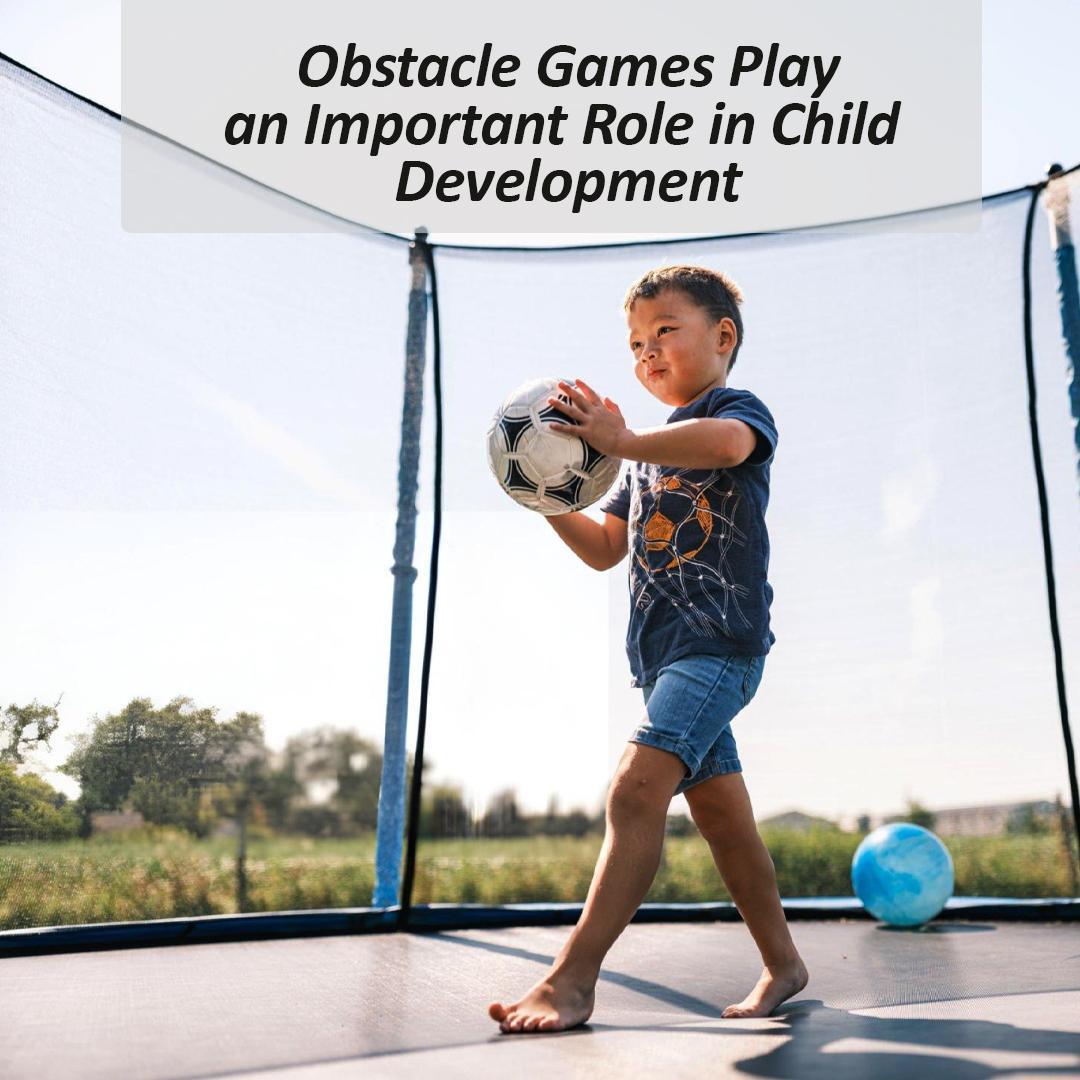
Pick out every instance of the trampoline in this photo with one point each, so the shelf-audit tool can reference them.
(189, 425)
(966, 998)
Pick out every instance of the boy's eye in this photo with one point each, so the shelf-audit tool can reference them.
(635, 345)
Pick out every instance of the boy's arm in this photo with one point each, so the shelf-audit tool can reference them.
(708, 442)
(596, 545)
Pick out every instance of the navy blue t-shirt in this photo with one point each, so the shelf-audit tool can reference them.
(699, 550)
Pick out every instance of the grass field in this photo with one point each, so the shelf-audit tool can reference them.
(109, 879)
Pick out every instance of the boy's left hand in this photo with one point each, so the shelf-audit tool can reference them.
(599, 421)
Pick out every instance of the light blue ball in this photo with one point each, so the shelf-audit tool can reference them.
(903, 874)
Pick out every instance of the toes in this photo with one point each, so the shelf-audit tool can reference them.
(532, 1023)
(497, 1011)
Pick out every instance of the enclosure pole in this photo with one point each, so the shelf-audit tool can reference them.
(1044, 513)
(241, 856)
(1056, 200)
(391, 820)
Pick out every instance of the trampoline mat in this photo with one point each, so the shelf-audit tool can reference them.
(958, 1000)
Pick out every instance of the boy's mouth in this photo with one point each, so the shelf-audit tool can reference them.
(657, 374)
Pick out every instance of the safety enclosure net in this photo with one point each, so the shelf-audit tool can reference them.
(199, 465)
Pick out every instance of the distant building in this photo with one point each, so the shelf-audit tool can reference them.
(110, 821)
(797, 821)
(994, 820)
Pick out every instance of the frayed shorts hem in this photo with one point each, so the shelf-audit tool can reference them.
(689, 709)
(697, 770)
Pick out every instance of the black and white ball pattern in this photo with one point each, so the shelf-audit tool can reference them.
(543, 471)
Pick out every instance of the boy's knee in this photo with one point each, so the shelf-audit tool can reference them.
(646, 780)
(635, 795)
(718, 810)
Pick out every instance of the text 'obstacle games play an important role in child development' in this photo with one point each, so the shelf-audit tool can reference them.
(794, 122)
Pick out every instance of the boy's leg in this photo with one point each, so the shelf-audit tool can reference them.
(722, 812)
(637, 806)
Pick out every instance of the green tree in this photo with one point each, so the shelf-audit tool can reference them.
(503, 816)
(177, 765)
(576, 823)
(443, 813)
(327, 783)
(918, 814)
(31, 809)
(1024, 821)
(26, 727)
(679, 825)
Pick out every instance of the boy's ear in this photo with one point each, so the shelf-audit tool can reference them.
(726, 328)
(734, 333)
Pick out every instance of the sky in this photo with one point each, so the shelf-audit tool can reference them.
(273, 611)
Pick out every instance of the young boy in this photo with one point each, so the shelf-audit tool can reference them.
(691, 510)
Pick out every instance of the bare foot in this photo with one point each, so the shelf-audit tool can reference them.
(772, 988)
(555, 1003)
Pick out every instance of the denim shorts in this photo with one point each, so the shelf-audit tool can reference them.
(689, 708)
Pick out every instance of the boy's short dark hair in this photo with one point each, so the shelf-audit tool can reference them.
(711, 290)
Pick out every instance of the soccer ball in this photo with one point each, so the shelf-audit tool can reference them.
(546, 472)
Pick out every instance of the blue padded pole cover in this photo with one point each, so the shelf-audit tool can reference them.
(388, 842)
(1057, 206)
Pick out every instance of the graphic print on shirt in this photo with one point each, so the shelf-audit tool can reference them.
(683, 530)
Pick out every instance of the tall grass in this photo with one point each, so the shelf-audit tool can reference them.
(163, 873)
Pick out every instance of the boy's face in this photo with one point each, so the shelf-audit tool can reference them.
(678, 353)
